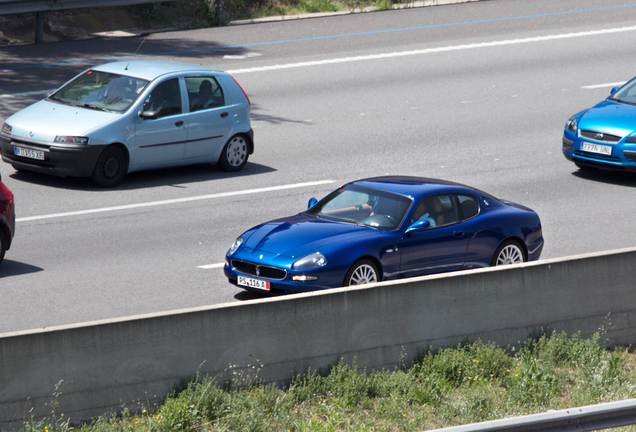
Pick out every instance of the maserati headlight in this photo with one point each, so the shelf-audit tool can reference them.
(71, 139)
(571, 125)
(310, 261)
(238, 242)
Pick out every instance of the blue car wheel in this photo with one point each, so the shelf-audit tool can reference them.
(509, 252)
(362, 272)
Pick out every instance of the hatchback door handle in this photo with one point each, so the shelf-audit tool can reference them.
(224, 114)
(179, 123)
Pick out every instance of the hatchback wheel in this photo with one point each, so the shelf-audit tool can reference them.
(110, 168)
(362, 272)
(234, 155)
(509, 252)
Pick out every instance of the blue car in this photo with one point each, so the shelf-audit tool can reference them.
(132, 115)
(604, 136)
(383, 228)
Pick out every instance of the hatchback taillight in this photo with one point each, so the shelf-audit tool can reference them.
(246, 96)
(7, 192)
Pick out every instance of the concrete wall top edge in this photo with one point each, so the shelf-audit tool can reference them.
(328, 292)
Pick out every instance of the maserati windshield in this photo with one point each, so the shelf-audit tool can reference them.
(363, 206)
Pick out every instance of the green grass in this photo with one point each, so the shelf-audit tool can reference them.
(472, 382)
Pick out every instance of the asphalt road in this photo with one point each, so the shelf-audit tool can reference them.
(476, 93)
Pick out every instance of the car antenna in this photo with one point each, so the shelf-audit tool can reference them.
(136, 51)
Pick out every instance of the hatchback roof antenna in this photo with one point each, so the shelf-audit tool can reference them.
(136, 51)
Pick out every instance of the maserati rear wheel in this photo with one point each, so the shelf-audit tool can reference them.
(509, 252)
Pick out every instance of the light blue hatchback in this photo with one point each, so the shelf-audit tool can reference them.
(129, 116)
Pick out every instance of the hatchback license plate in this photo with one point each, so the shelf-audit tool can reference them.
(596, 148)
(31, 154)
(253, 283)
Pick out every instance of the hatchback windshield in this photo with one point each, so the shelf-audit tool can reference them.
(626, 94)
(363, 206)
(101, 91)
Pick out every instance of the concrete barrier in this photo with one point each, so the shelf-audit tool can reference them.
(91, 368)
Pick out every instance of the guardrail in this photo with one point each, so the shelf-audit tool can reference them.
(581, 419)
(12, 7)
(93, 368)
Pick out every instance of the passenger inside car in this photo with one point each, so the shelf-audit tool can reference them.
(165, 99)
(204, 96)
(421, 213)
(119, 91)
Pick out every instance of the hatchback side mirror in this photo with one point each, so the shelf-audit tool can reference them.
(149, 115)
(419, 225)
(312, 202)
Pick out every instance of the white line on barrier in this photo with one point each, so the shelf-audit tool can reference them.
(174, 201)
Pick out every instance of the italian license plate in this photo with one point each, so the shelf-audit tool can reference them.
(596, 148)
(31, 154)
(253, 283)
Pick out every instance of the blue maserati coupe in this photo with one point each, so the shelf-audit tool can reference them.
(383, 228)
(604, 136)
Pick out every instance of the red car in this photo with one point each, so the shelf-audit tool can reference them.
(7, 218)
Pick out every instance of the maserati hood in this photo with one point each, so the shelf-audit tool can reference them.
(299, 235)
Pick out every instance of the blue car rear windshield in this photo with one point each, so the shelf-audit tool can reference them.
(363, 206)
(101, 91)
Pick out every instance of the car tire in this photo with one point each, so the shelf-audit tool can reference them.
(362, 272)
(508, 252)
(3, 247)
(235, 154)
(110, 168)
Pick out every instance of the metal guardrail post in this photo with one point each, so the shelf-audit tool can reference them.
(39, 27)
(219, 12)
(11, 7)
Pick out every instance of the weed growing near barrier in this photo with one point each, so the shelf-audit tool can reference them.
(472, 382)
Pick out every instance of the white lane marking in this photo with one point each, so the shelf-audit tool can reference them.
(241, 57)
(211, 266)
(434, 50)
(174, 201)
(595, 86)
(401, 54)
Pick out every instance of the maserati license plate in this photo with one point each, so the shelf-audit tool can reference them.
(253, 283)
